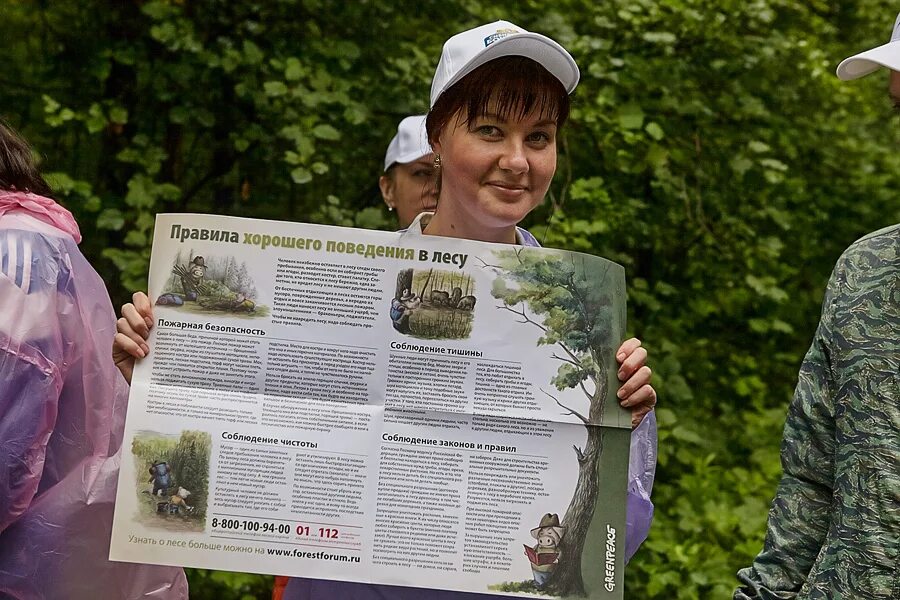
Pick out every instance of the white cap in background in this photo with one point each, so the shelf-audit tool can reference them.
(886, 55)
(466, 51)
(410, 143)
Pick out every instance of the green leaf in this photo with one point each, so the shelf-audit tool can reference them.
(356, 114)
(654, 131)
(95, 120)
(136, 239)
(118, 114)
(775, 165)
(111, 218)
(740, 164)
(50, 105)
(252, 54)
(179, 114)
(157, 9)
(139, 195)
(275, 88)
(92, 204)
(657, 156)
(631, 116)
(684, 434)
(659, 37)
(326, 132)
(61, 182)
(301, 175)
(293, 69)
(205, 117)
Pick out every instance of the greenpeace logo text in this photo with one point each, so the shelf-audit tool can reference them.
(610, 559)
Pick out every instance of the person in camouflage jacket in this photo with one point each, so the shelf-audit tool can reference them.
(834, 527)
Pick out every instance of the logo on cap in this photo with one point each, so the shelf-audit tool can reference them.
(501, 33)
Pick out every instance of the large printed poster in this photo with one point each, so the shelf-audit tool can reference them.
(379, 407)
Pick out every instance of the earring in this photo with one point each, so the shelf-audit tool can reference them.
(437, 161)
(390, 208)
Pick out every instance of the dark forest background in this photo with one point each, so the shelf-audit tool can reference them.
(711, 151)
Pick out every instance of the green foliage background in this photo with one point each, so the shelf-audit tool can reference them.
(711, 151)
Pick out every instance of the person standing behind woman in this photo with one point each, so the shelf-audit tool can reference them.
(498, 100)
(62, 405)
(409, 183)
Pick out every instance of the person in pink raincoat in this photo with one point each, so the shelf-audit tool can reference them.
(62, 406)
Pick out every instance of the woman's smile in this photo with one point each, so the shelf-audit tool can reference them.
(505, 190)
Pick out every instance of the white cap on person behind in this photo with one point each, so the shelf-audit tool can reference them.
(886, 55)
(410, 143)
(466, 51)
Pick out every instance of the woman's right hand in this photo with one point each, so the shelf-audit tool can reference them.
(133, 328)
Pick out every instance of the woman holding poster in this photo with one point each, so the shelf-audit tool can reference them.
(498, 100)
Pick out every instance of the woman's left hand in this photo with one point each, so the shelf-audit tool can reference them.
(635, 392)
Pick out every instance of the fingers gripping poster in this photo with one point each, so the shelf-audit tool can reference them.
(378, 407)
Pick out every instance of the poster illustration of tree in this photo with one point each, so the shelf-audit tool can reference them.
(576, 303)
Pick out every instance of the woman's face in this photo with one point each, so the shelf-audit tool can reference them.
(410, 188)
(494, 171)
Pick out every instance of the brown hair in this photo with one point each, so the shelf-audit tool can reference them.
(18, 171)
(517, 84)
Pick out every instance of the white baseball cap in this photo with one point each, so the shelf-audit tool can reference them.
(410, 143)
(466, 51)
(886, 55)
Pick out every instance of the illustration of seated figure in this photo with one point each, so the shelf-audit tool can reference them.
(177, 502)
(401, 308)
(544, 556)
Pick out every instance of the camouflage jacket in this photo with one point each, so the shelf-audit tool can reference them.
(834, 526)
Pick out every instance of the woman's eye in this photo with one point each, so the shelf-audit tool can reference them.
(539, 137)
(423, 173)
(488, 130)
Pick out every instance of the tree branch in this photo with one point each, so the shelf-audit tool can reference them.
(570, 411)
(485, 264)
(584, 389)
(578, 453)
(573, 358)
(580, 383)
(526, 319)
(567, 360)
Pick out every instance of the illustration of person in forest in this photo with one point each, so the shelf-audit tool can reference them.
(160, 478)
(192, 278)
(544, 556)
(179, 476)
(433, 304)
(402, 307)
(211, 284)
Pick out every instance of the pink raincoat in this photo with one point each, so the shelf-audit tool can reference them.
(62, 412)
